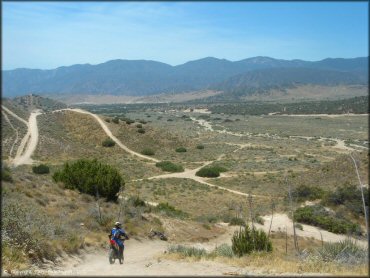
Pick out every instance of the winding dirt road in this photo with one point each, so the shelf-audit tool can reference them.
(109, 133)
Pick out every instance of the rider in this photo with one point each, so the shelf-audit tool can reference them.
(116, 233)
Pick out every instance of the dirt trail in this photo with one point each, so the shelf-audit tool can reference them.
(29, 141)
(14, 115)
(15, 130)
(141, 258)
(109, 133)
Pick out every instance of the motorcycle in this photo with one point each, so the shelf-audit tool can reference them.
(153, 234)
(114, 251)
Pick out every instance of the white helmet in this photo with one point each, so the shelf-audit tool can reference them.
(118, 224)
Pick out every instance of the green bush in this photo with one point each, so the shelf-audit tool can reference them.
(41, 169)
(200, 147)
(107, 120)
(181, 150)
(223, 250)
(210, 171)
(91, 177)
(141, 130)
(147, 151)
(168, 166)
(142, 121)
(6, 174)
(318, 216)
(139, 125)
(115, 120)
(170, 210)
(248, 240)
(108, 143)
(304, 192)
(236, 221)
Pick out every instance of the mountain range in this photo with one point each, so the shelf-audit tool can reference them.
(144, 77)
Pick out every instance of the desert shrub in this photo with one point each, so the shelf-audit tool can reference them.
(107, 120)
(139, 125)
(141, 130)
(236, 221)
(142, 121)
(224, 250)
(115, 120)
(318, 216)
(350, 197)
(187, 251)
(91, 177)
(108, 143)
(171, 211)
(344, 252)
(248, 240)
(210, 171)
(304, 192)
(169, 120)
(181, 150)
(41, 169)
(147, 151)
(6, 174)
(259, 219)
(168, 166)
(228, 121)
(200, 147)
(129, 121)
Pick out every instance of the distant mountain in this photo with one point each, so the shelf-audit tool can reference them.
(267, 78)
(142, 77)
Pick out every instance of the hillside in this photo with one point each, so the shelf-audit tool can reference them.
(141, 77)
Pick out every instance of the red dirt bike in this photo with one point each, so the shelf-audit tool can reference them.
(114, 251)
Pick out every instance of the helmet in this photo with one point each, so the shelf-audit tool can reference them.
(118, 224)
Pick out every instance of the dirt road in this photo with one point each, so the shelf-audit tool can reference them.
(15, 131)
(29, 142)
(109, 133)
(141, 258)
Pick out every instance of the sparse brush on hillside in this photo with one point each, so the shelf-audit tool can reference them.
(305, 192)
(41, 169)
(200, 147)
(141, 130)
(115, 120)
(348, 196)
(168, 166)
(248, 240)
(171, 211)
(91, 177)
(6, 174)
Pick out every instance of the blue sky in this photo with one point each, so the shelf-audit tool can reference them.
(49, 34)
